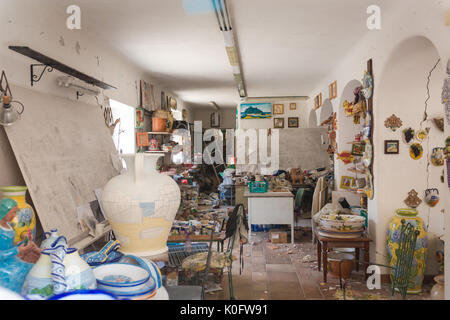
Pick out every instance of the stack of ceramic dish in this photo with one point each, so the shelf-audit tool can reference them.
(127, 281)
(341, 226)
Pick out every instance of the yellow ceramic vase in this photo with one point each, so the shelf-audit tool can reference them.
(420, 253)
(25, 219)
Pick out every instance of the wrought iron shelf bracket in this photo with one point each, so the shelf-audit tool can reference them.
(35, 77)
(48, 64)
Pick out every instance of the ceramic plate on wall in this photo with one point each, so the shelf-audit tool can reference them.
(408, 135)
(416, 151)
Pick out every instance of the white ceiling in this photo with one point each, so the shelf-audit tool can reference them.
(286, 46)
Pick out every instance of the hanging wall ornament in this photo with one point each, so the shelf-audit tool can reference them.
(393, 122)
(408, 135)
(422, 135)
(367, 85)
(416, 151)
(437, 157)
(439, 122)
(346, 157)
(432, 197)
(367, 130)
(368, 154)
(447, 148)
(413, 201)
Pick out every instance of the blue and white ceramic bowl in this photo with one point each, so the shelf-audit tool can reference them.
(121, 277)
(152, 266)
(150, 288)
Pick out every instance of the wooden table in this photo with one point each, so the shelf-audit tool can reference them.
(324, 244)
(270, 208)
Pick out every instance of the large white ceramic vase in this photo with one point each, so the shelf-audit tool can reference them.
(141, 205)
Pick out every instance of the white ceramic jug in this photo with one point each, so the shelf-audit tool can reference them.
(140, 206)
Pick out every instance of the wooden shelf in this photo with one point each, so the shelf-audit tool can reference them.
(162, 133)
(356, 171)
(156, 151)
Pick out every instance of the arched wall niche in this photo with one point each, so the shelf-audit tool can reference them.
(312, 122)
(326, 111)
(402, 90)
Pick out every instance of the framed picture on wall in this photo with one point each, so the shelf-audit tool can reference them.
(347, 182)
(391, 147)
(255, 111)
(358, 148)
(333, 90)
(318, 101)
(139, 118)
(142, 139)
(278, 109)
(292, 106)
(278, 123)
(293, 122)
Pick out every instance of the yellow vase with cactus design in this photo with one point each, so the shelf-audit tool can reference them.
(25, 220)
(420, 253)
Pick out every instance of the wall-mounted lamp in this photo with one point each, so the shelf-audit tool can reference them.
(8, 113)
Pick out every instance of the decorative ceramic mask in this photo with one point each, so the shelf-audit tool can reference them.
(413, 201)
(432, 197)
(416, 151)
(408, 135)
(437, 157)
(393, 122)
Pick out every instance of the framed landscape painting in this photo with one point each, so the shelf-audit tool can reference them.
(256, 110)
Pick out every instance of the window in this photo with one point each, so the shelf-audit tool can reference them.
(124, 134)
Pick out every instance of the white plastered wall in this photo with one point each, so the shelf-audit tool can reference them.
(423, 23)
(45, 31)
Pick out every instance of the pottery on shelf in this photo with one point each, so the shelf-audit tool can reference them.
(47, 274)
(141, 205)
(25, 219)
(420, 253)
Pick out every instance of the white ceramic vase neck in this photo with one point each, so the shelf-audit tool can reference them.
(141, 164)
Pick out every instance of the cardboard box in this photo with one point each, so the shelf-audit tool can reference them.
(278, 236)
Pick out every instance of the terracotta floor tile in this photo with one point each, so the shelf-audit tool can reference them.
(280, 268)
